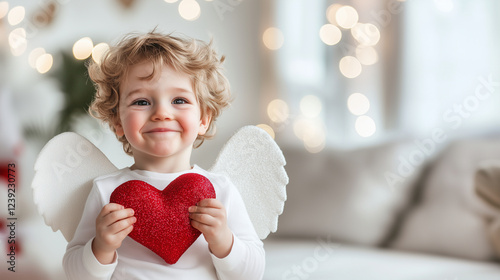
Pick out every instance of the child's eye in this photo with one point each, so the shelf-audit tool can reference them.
(141, 102)
(179, 101)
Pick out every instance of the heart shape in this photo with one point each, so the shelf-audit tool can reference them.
(163, 223)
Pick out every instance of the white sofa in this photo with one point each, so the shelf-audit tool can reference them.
(403, 210)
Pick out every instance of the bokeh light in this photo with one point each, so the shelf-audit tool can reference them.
(34, 55)
(267, 129)
(17, 41)
(44, 63)
(300, 127)
(366, 55)
(330, 34)
(365, 126)
(310, 106)
(170, 1)
(189, 10)
(331, 12)
(346, 17)
(16, 15)
(350, 66)
(99, 51)
(315, 144)
(358, 104)
(366, 34)
(273, 38)
(83, 48)
(311, 132)
(278, 111)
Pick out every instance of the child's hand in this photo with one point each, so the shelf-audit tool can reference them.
(113, 224)
(209, 217)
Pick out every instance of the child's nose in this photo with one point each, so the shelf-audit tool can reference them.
(162, 112)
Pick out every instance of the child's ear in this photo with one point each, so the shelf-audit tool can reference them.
(204, 124)
(119, 129)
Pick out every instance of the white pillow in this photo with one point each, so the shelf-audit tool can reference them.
(345, 195)
(445, 220)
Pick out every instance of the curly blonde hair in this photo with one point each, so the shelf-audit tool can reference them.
(193, 57)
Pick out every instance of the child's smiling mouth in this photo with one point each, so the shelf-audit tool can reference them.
(161, 130)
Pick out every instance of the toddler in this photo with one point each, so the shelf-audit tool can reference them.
(161, 95)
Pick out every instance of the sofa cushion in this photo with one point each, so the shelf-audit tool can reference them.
(445, 220)
(345, 194)
(322, 259)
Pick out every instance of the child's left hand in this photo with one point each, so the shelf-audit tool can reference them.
(209, 217)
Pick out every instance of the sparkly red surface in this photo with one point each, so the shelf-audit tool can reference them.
(163, 223)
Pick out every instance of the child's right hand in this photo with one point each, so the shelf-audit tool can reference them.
(113, 224)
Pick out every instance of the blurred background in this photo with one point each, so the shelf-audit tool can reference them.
(317, 75)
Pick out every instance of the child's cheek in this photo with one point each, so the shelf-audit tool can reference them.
(132, 123)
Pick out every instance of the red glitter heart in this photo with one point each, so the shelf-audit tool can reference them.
(163, 223)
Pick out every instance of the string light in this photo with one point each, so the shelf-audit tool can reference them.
(366, 55)
(99, 51)
(331, 12)
(44, 63)
(267, 129)
(358, 104)
(346, 17)
(365, 126)
(16, 15)
(315, 143)
(17, 41)
(189, 10)
(330, 34)
(366, 34)
(34, 55)
(350, 67)
(312, 132)
(82, 48)
(310, 106)
(278, 111)
(273, 38)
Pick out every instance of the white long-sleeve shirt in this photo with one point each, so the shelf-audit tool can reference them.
(134, 261)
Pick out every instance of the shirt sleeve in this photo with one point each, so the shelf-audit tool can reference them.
(247, 257)
(79, 261)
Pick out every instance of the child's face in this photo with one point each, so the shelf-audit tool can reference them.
(159, 117)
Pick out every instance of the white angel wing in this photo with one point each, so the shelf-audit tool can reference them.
(254, 163)
(64, 171)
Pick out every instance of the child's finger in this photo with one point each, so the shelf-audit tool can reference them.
(121, 225)
(204, 219)
(113, 217)
(124, 232)
(208, 231)
(108, 209)
(210, 202)
(205, 210)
